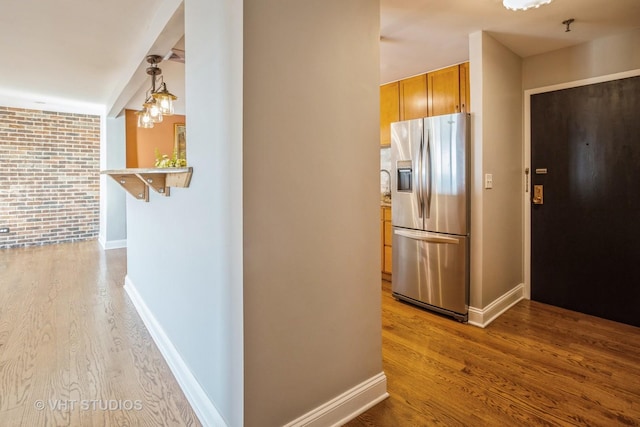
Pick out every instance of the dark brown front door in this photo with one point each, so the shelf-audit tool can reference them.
(585, 237)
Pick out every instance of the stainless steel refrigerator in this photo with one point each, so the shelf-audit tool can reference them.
(430, 212)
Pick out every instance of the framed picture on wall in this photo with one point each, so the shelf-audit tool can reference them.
(180, 140)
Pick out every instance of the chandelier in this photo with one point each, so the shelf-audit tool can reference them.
(524, 4)
(158, 101)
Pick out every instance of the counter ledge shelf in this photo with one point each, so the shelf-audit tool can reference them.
(137, 181)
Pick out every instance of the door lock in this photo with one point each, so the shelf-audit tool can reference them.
(538, 195)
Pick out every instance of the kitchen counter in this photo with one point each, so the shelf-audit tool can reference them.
(137, 181)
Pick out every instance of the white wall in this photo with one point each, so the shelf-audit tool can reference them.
(311, 204)
(497, 218)
(185, 251)
(264, 274)
(607, 55)
(113, 219)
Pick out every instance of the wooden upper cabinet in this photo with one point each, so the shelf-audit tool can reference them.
(443, 95)
(465, 98)
(444, 91)
(389, 111)
(413, 97)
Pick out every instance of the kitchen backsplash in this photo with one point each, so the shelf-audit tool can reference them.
(385, 164)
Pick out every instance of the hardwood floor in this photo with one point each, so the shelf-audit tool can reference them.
(73, 351)
(71, 341)
(534, 365)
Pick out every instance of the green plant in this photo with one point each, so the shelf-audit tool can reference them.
(164, 161)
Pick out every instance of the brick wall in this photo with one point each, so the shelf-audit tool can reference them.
(49, 177)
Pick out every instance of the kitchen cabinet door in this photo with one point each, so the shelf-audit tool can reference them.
(382, 238)
(413, 97)
(387, 229)
(388, 257)
(443, 94)
(465, 98)
(389, 111)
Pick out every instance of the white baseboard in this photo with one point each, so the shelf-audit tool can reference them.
(197, 397)
(335, 412)
(112, 244)
(346, 406)
(482, 317)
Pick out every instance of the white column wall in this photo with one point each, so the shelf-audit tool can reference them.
(311, 204)
(185, 251)
(113, 217)
(497, 218)
(264, 273)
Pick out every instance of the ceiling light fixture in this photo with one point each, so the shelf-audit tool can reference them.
(568, 23)
(524, 4)
(158, 101)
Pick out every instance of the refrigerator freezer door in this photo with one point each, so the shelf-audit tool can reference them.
(430, 270)
(446, 173)
(407, 197)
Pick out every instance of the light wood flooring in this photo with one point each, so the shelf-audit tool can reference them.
(73, 351)
(536, 365)
(70, 340)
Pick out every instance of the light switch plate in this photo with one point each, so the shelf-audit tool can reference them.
(488, 180)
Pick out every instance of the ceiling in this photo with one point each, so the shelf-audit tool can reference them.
(83, 54)
(424, 35)
(91, 52)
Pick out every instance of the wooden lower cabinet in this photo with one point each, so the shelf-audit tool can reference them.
(385, 240)
(382, 238)
(388, 257)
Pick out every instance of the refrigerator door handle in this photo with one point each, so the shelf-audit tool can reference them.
(428, 175)
(427, 237)
(419, 190)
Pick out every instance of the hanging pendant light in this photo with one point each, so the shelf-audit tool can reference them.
(159, 102)
(144, 119)
(524, 4)
(154, 110)
(165, 99)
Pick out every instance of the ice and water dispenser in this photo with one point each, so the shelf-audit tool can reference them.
(405, 175)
